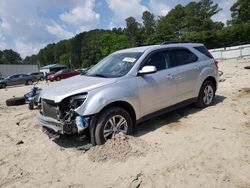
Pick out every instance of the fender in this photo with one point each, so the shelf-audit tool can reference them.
(204, 74)
(98, 99)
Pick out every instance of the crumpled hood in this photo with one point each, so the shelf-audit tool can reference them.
(72, 86)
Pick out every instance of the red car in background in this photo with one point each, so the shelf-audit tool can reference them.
(62, 74)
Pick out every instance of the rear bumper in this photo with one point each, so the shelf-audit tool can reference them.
(50, 123)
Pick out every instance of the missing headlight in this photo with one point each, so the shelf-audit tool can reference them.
(77, 101)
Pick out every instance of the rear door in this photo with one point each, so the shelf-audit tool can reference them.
(187, 69)
(156, 90)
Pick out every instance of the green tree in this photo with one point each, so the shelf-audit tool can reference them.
(207, 10)
(64, 59)
(148, 23)
(241, 11)
(111, 42)
(10, 57)
(133, 31)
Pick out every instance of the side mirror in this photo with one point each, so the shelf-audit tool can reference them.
(147, 70)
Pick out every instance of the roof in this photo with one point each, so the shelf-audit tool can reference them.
(52, 66)
(144, 48)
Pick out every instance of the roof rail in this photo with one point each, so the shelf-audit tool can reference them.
(176, 42)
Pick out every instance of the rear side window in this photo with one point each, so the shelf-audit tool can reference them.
(203, 50)
(182, 57)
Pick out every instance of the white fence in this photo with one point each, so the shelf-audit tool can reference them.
(231, 52)
(10, 69)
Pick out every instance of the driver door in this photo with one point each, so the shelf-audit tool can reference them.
(156, 90)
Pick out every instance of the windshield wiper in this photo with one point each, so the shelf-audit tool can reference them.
(99, 75)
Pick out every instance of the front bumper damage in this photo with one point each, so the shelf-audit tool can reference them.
(51, 123)
(56, 121)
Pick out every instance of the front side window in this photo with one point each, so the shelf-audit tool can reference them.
(115, 65)
(182, 57)
(160, 60)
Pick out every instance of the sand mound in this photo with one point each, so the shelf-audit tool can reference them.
(119, 149)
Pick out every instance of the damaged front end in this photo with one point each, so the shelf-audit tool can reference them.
(61, 118)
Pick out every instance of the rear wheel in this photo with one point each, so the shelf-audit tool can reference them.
(206, 95)
(29, 82)
(111, 122)
(42, 78)
(58, 78)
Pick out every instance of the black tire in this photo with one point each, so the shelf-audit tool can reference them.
(42, 79)
(105, 116)
(29, 82)
(247, 67)
(200, 100)
(3, 85)
(15, 101)
(58, 78)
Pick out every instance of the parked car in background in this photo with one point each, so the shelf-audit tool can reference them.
(63, 74)
(128, 87)
(39, 75)
(17, 79)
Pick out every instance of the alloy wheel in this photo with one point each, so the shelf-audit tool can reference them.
(114, 125)
(208, 95)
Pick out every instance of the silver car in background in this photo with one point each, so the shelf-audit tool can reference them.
(128, 87)
(17, 79)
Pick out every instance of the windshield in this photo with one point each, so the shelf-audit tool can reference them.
(115, 65)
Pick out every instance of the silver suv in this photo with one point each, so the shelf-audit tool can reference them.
(128, 87)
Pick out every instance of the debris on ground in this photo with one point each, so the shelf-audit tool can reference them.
(223, 129)
(120, 148)
(247, 67)
(222, 80)
(136, 181)
(85, 147)
(19, 142)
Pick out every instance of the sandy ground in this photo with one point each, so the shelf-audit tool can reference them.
(186, 148)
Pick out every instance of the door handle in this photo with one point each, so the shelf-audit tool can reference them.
(170, 76)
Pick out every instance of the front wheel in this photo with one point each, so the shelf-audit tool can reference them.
(111, 122)
(58, 78)
(206, 95)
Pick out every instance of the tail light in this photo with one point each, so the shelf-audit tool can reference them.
(216, 64)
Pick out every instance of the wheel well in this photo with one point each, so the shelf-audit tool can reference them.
(124, 105)
(212, 79)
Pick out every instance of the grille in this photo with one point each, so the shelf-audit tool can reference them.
(50, 109)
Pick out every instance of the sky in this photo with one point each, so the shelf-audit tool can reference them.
(26, 26)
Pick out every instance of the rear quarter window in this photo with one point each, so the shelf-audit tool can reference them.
(204, 51)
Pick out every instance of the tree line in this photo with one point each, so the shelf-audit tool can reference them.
(10, 57)
(191, 22)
